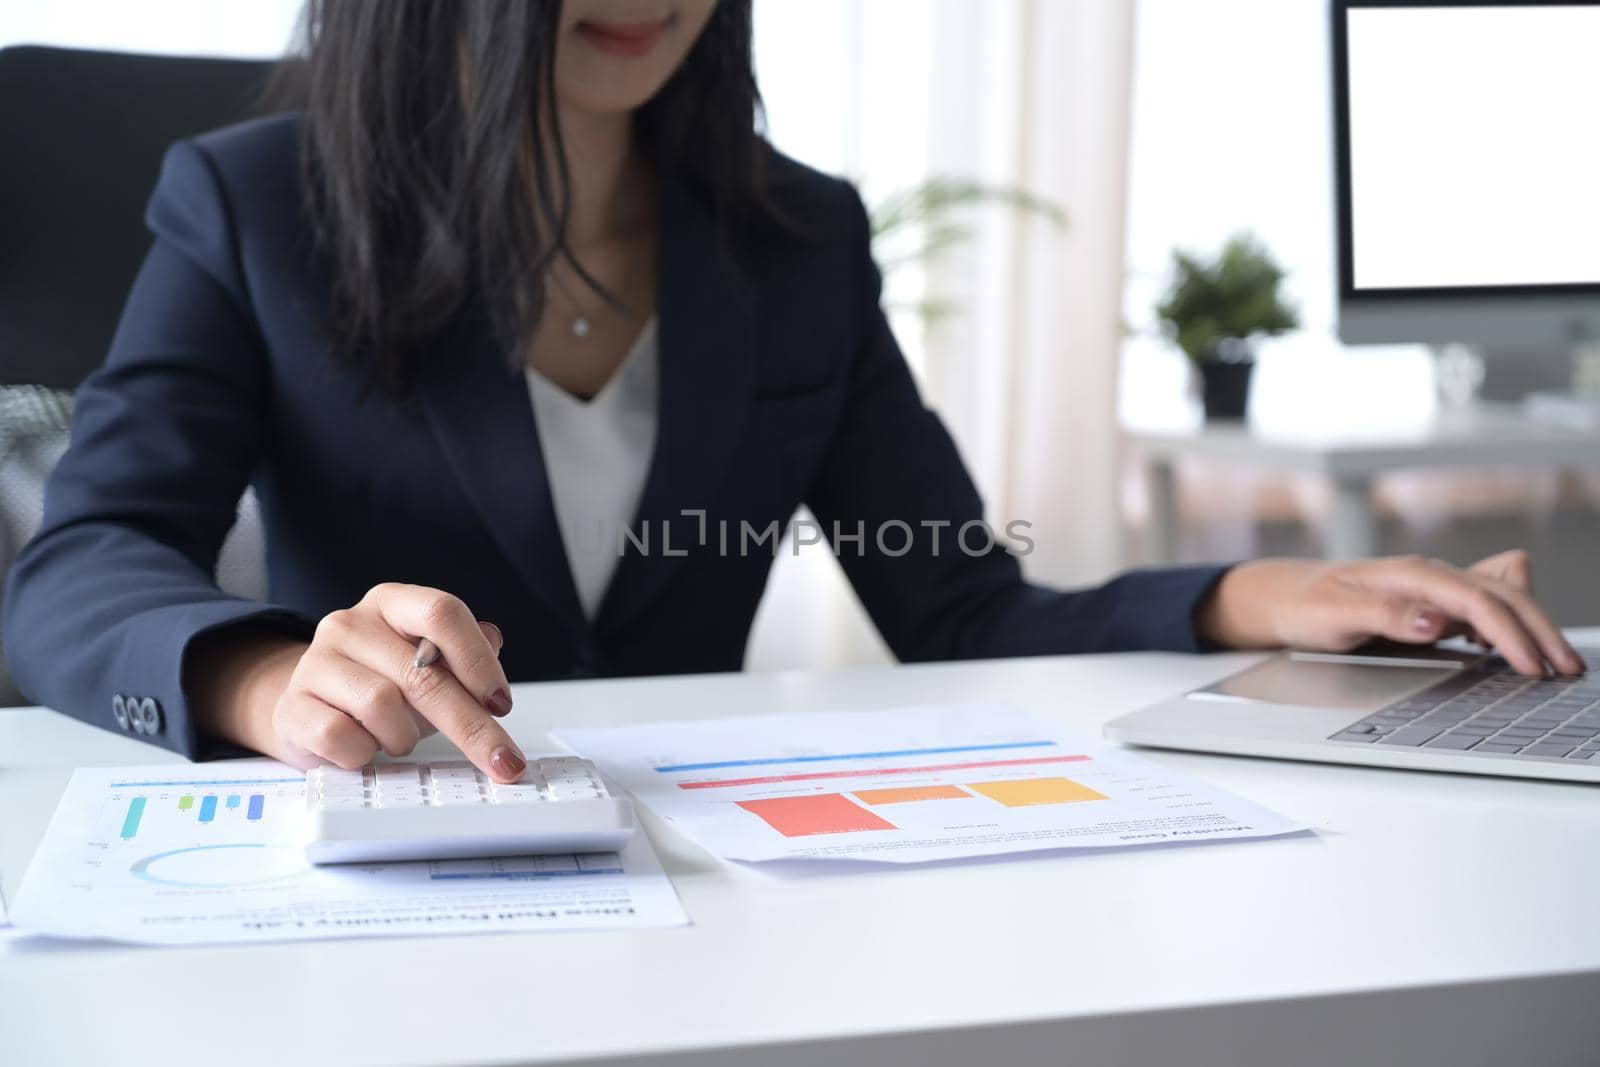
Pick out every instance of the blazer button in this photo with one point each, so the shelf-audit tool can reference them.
(150, 715)
(119, 710)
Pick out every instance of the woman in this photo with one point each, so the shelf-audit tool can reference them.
(520, 272)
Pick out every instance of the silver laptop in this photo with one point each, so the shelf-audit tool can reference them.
(1425, 708)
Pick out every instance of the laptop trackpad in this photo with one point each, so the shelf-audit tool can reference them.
(1356, 686)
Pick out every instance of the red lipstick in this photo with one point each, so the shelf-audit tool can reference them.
(627, 39)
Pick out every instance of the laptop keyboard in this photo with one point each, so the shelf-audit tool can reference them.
(1492, 710)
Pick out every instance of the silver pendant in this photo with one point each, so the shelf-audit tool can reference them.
(580, 327)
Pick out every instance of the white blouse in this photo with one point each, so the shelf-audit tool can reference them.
(596, 456)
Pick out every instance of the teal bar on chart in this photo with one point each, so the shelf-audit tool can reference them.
(130, 825)
(208, 808)
(233, 801)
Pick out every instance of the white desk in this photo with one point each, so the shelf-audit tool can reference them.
(1432, 920)
(1486, 436)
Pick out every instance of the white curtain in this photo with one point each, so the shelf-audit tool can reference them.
(1028, 93)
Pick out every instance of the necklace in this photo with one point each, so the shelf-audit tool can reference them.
(581, 323)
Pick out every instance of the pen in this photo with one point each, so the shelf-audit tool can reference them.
(427, 654)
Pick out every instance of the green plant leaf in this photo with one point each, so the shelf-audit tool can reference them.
(933, 200)
(926, 214)
(1234, 295)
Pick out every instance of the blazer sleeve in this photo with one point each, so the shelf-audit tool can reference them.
(893, 467)
(104, 603)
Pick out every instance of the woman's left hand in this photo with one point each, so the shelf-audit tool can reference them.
(1335, 607)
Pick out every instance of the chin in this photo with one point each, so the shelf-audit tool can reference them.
(601, 97)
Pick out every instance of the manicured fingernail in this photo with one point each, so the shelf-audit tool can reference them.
(499, 638)
(508, 763)
(1427, 621)
(500, 701)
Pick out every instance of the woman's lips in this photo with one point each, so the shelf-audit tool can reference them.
(630, 39)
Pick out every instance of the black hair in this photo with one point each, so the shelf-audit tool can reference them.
(423, 174)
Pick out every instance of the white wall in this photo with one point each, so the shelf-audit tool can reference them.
(1232, 130)
(240, 28)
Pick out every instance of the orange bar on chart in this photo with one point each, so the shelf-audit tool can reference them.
(912, 792)
(830, 813)
(1021, 792)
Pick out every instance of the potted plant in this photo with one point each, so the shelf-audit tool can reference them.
(1214, 308)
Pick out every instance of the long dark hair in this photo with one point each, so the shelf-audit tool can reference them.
(423, 174)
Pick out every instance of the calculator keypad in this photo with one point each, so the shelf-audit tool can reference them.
(452, 783)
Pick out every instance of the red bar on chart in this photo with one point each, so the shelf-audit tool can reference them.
(829, 813)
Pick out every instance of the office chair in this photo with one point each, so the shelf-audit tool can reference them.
(82, 141)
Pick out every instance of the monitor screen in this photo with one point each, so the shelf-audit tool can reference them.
(1471, 147)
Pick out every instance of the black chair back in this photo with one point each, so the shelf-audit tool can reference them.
(81, 142)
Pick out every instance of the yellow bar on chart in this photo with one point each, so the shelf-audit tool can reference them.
(906, 794)
(1021, 792)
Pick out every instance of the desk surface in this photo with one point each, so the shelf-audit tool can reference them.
(1426, 912)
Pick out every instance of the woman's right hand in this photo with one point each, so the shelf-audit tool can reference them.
(356, 688)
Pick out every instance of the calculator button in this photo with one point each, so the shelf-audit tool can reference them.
(516, 795)
(455, 787)
(456, 795)
(450, 800)
(405, 800)
(342, 802)
(336, 774)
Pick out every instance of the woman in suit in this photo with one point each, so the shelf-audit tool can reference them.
(519, 274)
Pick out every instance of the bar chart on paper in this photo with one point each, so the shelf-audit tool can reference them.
(908, 785)
(201, 832)
(155, 856)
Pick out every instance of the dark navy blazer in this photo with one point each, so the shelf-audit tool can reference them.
(781, 385)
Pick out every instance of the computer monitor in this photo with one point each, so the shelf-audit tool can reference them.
(1468, 173)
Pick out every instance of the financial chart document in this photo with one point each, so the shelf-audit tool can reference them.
(909, 785)
(211, 853)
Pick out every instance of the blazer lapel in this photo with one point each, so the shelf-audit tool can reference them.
(707, 316)
(481, 413)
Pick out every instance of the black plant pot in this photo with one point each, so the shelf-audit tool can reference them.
(1225, 388)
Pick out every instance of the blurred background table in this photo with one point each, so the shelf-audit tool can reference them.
(1483, 436)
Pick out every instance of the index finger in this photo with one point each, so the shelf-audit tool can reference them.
(1557, 648)
(1454, 592)
(438, 697)
(464, 689)
(416, 611)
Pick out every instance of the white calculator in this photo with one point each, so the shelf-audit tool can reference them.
(452, 810)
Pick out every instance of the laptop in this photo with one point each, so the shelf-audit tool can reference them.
(1431, 709)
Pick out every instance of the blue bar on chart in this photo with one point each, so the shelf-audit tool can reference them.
(130, 825)
(208, 808)
(254, 811)
(233, 800)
